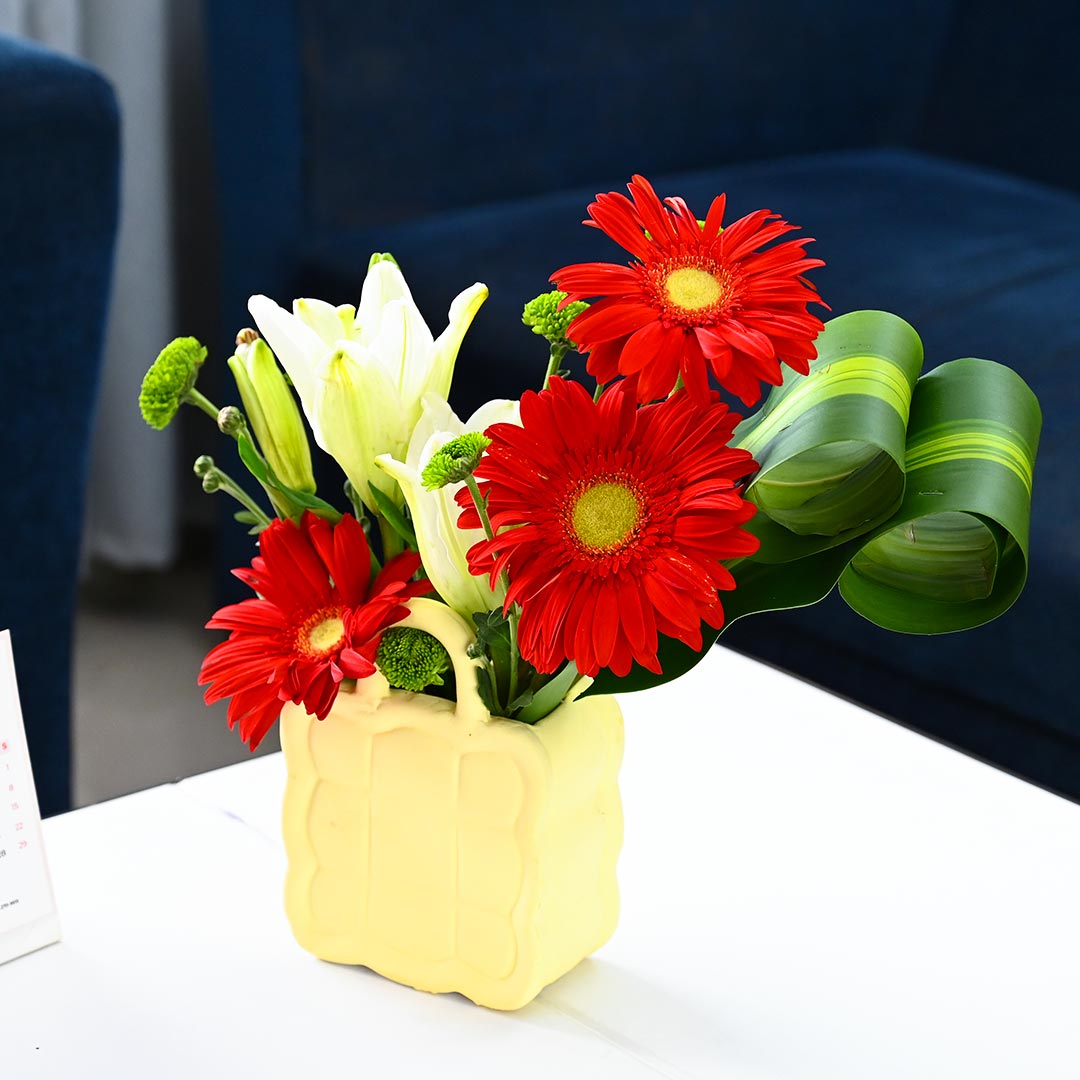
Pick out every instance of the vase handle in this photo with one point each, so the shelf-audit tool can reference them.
(456, 636)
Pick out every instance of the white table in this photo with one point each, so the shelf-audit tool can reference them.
(873, 906)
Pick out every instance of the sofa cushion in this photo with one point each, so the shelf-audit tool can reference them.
(981, 264)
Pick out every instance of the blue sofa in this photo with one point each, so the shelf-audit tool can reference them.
(59, 177)
(928, 146)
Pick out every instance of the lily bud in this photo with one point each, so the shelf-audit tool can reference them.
(272, 412)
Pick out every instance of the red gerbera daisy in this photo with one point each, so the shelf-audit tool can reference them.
(318, 620)
(614, 521)
(697, 293)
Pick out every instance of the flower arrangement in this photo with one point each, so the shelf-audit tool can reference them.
(598, 538)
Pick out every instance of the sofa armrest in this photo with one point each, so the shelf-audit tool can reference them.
(59, 127)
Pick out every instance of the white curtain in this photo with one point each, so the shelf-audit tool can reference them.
(131, 515)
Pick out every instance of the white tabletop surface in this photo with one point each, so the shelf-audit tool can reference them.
(808, 891)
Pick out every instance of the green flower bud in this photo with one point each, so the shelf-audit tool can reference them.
(412, 659)
(272, 411)
(455, 461)
(170, 378)
(204, 464)
(230, 420)
(211, 481)
(545, 318)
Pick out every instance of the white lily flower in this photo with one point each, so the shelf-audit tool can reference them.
(359, 415)
(361, 374)
(443, 546)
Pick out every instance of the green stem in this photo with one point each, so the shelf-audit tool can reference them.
(514, 614)
(599, 391)
(512, 693)
(359, 510)
(555, 359)
(193, 397)
(392, 544)
(481, 506)
(231, 487)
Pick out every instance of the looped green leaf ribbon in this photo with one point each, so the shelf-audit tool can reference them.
(914, 494)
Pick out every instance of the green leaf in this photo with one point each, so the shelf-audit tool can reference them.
(549, 696)
(492, 628)
(394, 515)
(486, 690)
(493, 642)
(523, 699)
(830, 445)
(251, 458)
(295, 502)
(955, 554)
(950, 556)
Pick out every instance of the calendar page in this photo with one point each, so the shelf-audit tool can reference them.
(27, 909)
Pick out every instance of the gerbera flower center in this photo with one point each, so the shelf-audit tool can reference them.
(692, 289)
(321, 634)
(605, 515)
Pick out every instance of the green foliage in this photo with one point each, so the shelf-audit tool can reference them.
(394, 515)
(170, 379)
(493, 644)
(292, 502)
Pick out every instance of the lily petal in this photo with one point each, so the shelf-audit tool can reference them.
(359, 414)
(384, 282)
(443, 546)
(296, 345)
(321, 317)
(462, 312)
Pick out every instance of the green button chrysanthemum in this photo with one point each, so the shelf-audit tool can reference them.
(545, 318)
(411, 659)
(170, 378)
(455, 461)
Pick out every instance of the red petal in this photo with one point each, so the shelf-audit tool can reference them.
(350, 563)
(584, 280)
(609, 319)
(715, 218)
(615, 215)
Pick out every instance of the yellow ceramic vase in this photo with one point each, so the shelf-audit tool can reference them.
(447, 849)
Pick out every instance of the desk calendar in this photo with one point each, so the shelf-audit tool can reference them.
(27, 910)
